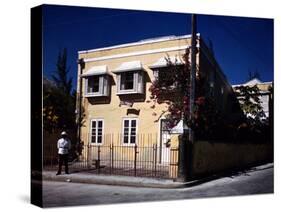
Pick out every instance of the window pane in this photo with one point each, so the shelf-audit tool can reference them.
(93, 84)
(126, 131)
(133, 123)
(93, 139)
(127, 81)
(133, 131)
(126, 138)
(93, 132)
(126, 123)
(100, 124)
(99, 139)
(93, 124)
(133, 139)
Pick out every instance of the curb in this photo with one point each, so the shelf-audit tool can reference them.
(139, 182)
(101, 180)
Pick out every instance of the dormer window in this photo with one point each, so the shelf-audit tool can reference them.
(96, 81)
(129, 78)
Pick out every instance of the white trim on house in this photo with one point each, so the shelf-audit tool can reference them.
(129, 133)
(137, 53)
(96, 70)
(90, 134)
(146, 41)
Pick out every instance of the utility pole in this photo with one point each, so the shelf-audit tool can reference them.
(186, 142)
(193, 71)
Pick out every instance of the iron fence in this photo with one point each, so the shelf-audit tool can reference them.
(146, 158)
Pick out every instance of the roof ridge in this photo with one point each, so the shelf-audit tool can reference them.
(145, 41)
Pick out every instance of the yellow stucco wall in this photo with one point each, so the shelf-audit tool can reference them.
(220, 156)
(112, 113)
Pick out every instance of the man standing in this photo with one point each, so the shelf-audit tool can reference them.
(64, 146)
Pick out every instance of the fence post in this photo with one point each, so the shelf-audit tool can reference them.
(155, 158)
(111, 158)
(98, 161)
(88, 159)
(135, 160)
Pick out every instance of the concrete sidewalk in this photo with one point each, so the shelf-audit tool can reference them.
(85, 177)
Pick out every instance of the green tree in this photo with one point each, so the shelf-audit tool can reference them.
(170, 87)
(60, 76)
(250, 103)
(255, 127)
(58, 97)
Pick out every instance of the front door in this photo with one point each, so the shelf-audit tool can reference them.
(165, 142)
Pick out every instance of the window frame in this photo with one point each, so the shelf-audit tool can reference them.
(90, 134)
(130, 119)
(138, 83)
(103, 86)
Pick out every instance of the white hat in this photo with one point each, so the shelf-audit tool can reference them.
(63, 133)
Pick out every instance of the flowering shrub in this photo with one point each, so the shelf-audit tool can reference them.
(172, 87)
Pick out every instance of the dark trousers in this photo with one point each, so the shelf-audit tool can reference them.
(63, 159)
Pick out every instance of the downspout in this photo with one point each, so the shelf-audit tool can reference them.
(81, 63)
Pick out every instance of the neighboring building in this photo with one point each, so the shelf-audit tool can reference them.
(116, 98)
(265, 93)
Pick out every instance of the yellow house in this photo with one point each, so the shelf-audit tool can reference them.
(121, 125)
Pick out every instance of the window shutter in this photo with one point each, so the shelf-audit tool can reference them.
(86, 86)
(105, 85)
(100, 85)
(136, 81)
(140, 82)
(118, 76)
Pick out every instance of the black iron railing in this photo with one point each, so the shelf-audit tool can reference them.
(146, 158)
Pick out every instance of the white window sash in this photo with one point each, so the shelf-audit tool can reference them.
(95, 142)
(129, 131)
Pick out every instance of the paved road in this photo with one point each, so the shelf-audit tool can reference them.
(258, 181)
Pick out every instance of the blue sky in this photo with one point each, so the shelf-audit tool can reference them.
(240, 44)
